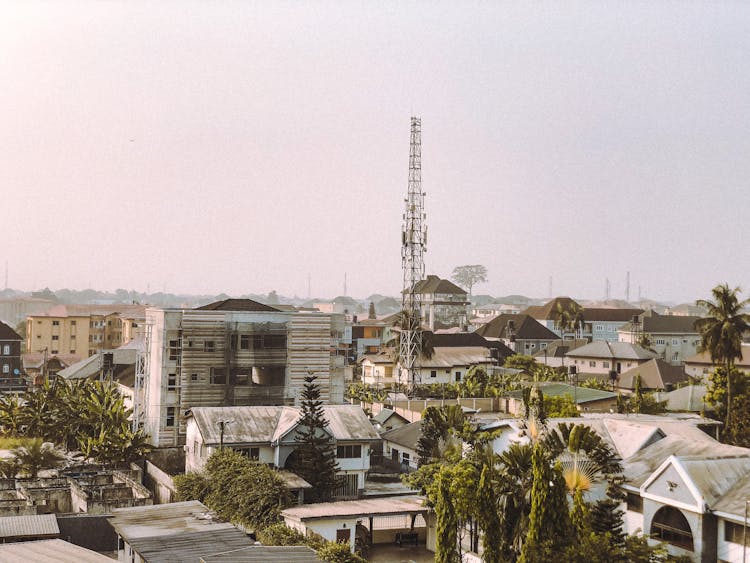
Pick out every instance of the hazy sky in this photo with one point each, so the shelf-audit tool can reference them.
(236, 147)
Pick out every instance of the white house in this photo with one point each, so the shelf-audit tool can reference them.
(674, 338)
(449, 364)
(268, 435)
(603, 357)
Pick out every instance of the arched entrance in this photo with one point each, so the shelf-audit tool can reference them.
(670, 525)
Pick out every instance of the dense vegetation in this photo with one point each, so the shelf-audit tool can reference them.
(84, 416)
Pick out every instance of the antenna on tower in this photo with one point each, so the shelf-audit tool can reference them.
(345, 294)
(413, 247)
(309, 284)
(607, 288)
(627, 288)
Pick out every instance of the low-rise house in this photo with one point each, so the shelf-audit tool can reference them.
(521, 333)
(448, 364)
(690, 398)
(268, 435)
(377, 520)
(674, 338)
(378, 369)
(700, 365)
(388, 419)
(585, 399)
(604, 357)
(553, 354)
(180, 531)
(655, 374)
(400, 446)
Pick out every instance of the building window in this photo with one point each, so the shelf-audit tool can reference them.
(635, 503)
(6, 349)
(733, 532)
(6, 368)
(72, 351)
(433, 373)
(660, 341)
(171, 382)
(233, 342)
(55, 337)
(209, 346)
(245, 342)
(670, 525)
(598, 327)
(251, 453)
(72, 323)
(170, 417)
(675, 342)
(592, 364)
(54, 352)
(458, 376)
(55, 323)
(193, 377)
(218, 376)
(174, 349)
(405, 458)
(349, 452)
(605, 364)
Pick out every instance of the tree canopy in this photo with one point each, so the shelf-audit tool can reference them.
(469, 275)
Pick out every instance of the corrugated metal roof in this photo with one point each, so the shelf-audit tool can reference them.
(189, 546)
(265, 554)
(612, 350)
(357, 508)
(715, 476)
(407, 435)
(28, 526)
(48, 551)
(93, 364)
(164, 519)
(264, 425)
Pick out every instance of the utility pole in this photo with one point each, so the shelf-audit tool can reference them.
(222, 426)
(627, 287)
(413, 247)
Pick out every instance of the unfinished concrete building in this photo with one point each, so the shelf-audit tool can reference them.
(234, 352)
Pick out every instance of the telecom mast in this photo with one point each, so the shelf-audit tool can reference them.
(413, 247)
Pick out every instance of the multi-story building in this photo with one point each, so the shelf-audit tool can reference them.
(235, 352)
(674, 338)
(15, 310)
(11, 369)
(443, 304)
(82, 330)
(599, 323)
(521, 333)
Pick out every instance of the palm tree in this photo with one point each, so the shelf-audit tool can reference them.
(36, 455)
(569, 319)
(722, 330)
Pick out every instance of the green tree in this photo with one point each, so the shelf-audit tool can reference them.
(475, 383)
(446, 550)
(314, 458)
(280, 534)
(11, 415)
(569, 319)
(470, 275)
(549, 521)
(237, 489)
(561, 406)
(721, 332)
(338, 552)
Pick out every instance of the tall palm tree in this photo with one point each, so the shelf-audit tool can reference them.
(722, 330)
(37, 454)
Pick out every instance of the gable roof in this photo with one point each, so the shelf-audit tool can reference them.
(434, 284)
(265, 554)
(49, 551)
(266, 425)
(236, 305)
(455, 339)
(558, 348)
(549, 311)
(383, 416)
(525, 327)
(612, 350)
(558, 389)
(705, 358)
(456, 356)
(92, 365)
(605, 314)
(7, 333)
(406, 436)
(653, 323)
(655, 374)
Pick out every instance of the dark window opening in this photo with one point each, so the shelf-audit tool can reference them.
(170, 416)
(218, 376)
(635, 503)
(349, 452)
(670, 525)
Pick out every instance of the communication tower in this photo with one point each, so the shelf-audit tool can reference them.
(413, 247)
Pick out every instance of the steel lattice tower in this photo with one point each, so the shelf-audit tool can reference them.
(413, 247)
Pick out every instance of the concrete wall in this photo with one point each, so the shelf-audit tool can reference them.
(160, 484)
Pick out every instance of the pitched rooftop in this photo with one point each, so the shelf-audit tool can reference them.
(236, 305)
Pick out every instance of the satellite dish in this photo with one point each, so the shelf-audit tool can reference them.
(16, 372)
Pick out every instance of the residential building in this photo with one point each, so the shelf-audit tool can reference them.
(604, 357)
(388, 419)
(494, 309)
(700, 365)
(655, 374)
(269, 434)
(379, 369)
(448, 364)
(233, 352)
(57, 550)
(11, 367)
(81, 330)
(41, 366)
(553, 354)
(442, 303)
(674, 338)
(600, 323)
(585, 399)
(521, 333)
(400, 445)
